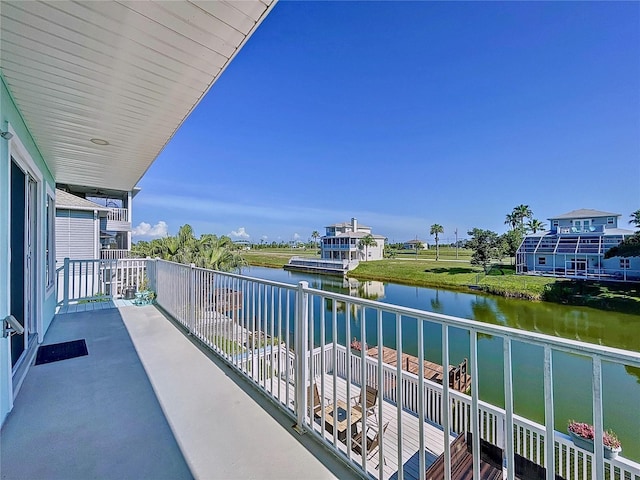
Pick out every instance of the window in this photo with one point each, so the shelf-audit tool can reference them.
(542, 260)
(624, 263)
(555, 223)
(610, 221)
(50, 253)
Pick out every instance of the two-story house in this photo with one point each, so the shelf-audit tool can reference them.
(342, 241)
(114, 227)
(575, 246)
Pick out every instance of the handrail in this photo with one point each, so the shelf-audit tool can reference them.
(273, 334)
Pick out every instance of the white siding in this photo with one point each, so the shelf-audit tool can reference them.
(75, 235)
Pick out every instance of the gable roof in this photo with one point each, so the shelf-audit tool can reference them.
(73, 202)
(584, 213)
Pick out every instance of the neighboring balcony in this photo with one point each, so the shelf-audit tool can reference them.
(592, 229)
(291, 343)
(118, 220)
(114, 253)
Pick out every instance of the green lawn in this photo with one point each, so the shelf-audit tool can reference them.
(456, 275)
(276, 257)
(446, 253)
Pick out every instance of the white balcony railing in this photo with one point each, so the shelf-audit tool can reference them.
(118, 214)
(114, 253)
(285, 339)
(87, 280)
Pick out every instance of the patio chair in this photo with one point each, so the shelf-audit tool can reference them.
(373, 443)
(318, 405)
(371, 397)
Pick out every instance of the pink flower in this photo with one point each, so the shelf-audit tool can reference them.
(587, 432)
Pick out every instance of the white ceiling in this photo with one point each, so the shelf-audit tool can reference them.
(125, 72)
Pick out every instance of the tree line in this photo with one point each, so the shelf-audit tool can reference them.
(208, 251)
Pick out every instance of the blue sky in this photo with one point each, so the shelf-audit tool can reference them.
(406, 114)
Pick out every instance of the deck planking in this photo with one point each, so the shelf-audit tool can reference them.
(408, 426)
(432, 371)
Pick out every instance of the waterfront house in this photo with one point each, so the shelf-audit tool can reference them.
(90, 93)
(575, 246)
(342, 242)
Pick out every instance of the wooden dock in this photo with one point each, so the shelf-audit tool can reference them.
(459, 379)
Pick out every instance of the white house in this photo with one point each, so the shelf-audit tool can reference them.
(414, 244)
(343, 242)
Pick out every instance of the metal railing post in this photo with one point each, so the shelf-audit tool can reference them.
(192, 298)
(301, 352)
(65, 297)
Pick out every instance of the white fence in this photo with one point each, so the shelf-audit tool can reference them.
(87, 280)
(285, 338)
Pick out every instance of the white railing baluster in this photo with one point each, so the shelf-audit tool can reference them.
(508, 403)
(399, 400)
(596, 386)
(549, 454)
(421, 386)
(301, 325)
(446, 401)
(381, 388)
(475, 427)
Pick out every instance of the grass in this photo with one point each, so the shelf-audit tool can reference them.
(423, 270)
(276, 257)
(228, 346)
(501, 280)
(446, 253)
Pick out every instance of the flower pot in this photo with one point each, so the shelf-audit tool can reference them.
(583, 443)
(611, 453)
(587, 444)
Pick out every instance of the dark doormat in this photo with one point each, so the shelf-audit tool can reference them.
(61, 351)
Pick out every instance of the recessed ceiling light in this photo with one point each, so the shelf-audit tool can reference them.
(99, 141)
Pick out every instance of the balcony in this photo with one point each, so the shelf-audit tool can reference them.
(147, 403)
(118, 220)
(114, 253)
(285, 341)
(593, 229)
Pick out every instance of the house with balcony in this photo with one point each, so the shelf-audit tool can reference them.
(77, 230)
(342, 242)
(575, 246)
(208, 382)
(114, 234)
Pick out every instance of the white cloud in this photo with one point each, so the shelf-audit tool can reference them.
(296, 236)
(240, 233)
(264, 237)
(145, 229)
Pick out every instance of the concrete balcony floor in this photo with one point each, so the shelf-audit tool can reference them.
(148, 403)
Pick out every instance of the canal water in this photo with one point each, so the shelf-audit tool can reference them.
(572, 374)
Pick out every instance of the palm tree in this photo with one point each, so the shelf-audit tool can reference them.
(366, 242)
(635, 219)
(511, 220)
(534, 225)
(437, 229)
(223, 259)
(315, 235)
(521, 212)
